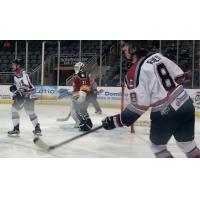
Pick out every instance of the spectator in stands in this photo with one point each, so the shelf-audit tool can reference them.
(7, 44)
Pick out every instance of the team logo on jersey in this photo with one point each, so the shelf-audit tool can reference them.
(178, 102)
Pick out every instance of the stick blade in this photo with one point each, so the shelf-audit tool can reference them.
(37, 141)
(61, 119)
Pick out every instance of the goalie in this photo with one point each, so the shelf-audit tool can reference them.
(81, 88)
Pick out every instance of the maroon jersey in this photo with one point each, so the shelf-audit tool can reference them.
(81, 82)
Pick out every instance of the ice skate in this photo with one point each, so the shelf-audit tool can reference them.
(37, 130)
(15, 132)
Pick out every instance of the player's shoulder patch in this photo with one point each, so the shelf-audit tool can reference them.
(153, 58)
(133, 75)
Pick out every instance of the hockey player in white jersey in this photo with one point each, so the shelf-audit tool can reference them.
(155, 81)
(24, 97)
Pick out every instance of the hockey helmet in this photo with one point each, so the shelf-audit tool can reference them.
(136, 48)
(17, 61)
(79, 66)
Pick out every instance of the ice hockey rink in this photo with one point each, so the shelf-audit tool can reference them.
(101, 144)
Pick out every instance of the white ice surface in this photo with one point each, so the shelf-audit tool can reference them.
(107, 144)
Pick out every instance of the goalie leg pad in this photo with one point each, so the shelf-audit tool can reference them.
(86, 123)
(79, 97)
(75, 117)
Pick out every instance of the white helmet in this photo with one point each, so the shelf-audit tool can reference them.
(79, 66)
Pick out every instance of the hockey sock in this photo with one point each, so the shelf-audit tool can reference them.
(34, 119)
(15, 118)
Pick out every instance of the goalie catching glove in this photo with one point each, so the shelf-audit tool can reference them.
(112, 122)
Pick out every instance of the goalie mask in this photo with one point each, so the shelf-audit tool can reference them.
(78, 67)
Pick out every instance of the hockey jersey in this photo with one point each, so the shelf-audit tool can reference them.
(81, 82)
(153, 81)
(23, 84)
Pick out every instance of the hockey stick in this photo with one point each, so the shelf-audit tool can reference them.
(47, 147)
(64, 119)
(67, 117)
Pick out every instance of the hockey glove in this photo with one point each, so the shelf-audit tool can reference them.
(13, 88)
(112, 122)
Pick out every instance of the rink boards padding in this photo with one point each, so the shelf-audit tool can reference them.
(64, 103)
(109, 97)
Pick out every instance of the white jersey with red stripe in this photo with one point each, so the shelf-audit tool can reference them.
(23, 83)
(155, 81)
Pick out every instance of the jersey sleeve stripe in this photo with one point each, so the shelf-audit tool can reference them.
(135, 109)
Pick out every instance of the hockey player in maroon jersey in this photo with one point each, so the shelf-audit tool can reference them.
(81, 88)
(24, 97)
(155, 81)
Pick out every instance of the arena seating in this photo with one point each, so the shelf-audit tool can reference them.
(168, 48)
(51, 48)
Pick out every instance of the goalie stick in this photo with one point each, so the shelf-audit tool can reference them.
(68, 116)
(64, 119)
(47, 147)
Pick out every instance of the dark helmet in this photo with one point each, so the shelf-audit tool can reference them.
(17, 61)
(139, 48)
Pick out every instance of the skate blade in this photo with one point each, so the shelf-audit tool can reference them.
(37, 134)
(14, 135)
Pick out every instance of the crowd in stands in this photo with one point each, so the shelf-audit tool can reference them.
(183, 56)
(8, 50)
(181, 52)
